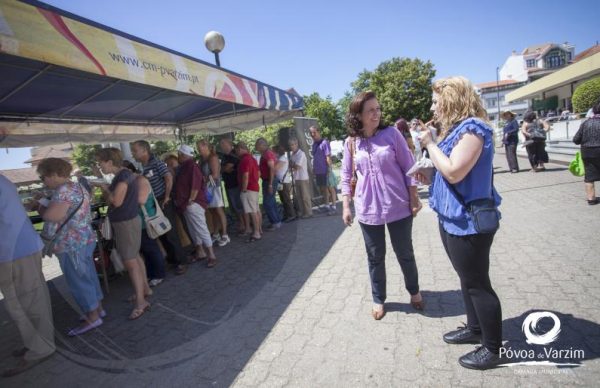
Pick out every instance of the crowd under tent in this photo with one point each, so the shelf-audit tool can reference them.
(68, 79)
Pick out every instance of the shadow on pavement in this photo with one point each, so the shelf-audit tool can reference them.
(438, 304)
(577, 340)
(216, 317)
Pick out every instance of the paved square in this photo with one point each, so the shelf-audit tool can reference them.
(294, 308)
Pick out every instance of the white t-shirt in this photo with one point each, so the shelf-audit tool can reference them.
(299, 160)
(280, 172)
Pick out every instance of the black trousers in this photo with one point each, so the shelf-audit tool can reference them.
(401, 238)
(170, 240)
(511, 157)
(537, 154)
(470, 257)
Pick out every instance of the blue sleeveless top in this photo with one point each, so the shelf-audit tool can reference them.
(476, 185)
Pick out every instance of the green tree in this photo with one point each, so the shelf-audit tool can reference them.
(586, 95)
(402, 86)
(84, 157)
(270, 133)
(327, 113)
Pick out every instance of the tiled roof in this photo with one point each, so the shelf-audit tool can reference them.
(62, 151)
(21, 176)
(537, 49)
(492, 84)
(586, 53)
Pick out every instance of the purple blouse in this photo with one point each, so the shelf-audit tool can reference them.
(382, 160)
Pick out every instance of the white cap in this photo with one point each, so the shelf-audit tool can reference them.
(186, 150)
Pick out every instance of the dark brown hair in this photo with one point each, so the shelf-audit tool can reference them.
(353, 123)
(112, 154)
(52, 166)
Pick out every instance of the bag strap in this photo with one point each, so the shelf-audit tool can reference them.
(461, 199)
(71, 215)
(353, 155)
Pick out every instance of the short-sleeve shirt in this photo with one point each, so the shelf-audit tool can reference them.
(264, 166)
(282, 174)
(299, 160)
(320, 150)
(129, 208)
(189, 178)
(155, 171)
(230, 178)
(248, 165)
(476, 185)
(77, 233)
(19, 239)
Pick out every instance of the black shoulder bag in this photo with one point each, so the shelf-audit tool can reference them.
(483, 212)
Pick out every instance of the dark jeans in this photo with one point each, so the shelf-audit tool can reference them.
(401, 238)
(470, 257)
(269, 202)
(537, 154)
(153, 257)
(511, 157)
(286, 200)
(170, 240)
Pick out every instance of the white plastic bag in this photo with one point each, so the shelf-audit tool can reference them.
(423, 166)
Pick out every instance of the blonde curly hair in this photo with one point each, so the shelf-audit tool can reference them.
(457, 100)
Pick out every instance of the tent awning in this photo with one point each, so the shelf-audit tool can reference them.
(64, 78)
(585, 68)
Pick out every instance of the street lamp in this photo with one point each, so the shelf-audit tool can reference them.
(214, 43)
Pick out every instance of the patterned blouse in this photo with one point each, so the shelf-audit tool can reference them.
(78, 232)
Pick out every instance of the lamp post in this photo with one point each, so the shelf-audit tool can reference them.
(498, 94)
(214, 42)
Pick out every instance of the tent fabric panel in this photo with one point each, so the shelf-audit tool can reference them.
(37, 31)
(19, 134)
(156, 105)
(240, 122)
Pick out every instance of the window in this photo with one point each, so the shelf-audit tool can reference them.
(555, 58)
(492, 117)
(569, 56)
(531, 63)
(490, 102)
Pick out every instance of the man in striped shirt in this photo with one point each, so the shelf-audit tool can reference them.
(161, 180)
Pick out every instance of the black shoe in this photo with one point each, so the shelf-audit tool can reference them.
(594, 201)
(480, 359)
(463, 335)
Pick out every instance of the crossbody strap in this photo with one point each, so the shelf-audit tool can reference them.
(461, 198)
(71, 215)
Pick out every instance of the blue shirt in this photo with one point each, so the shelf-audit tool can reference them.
(19, 239)
(476, 185)
(155, 172)
(511, 132)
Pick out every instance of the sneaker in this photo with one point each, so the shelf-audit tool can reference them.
(224, 240)
(480, 359)
(273, 227)
(155, 282)
(332, 210)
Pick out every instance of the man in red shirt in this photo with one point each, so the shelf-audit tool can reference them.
(190, 201)
(269, 182)
(248, 183)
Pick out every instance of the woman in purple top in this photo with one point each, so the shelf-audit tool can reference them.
(378, 158)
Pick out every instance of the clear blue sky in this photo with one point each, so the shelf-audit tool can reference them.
(322, 45)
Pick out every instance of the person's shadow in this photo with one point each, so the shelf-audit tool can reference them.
(438, 304)
(578, 339)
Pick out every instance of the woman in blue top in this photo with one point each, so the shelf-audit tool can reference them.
(463, 162)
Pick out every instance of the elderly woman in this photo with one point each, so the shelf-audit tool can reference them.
(534, 131)
(463, 162)
(211, 169)
(122, 196)
(67, 221)
(588, 136)
(378, 156)
(510, 139)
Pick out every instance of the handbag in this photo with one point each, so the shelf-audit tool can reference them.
(538, 132)
(50, 242)
(106, 229)
(354, 178)
(483, 212)
(576, 166)
(208, 190)
(117, 261)
(158, 224)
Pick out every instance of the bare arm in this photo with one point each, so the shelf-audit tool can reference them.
(55, 212)
(169, 186)
(116, 197)
(144, 189)
(524, 130)
(215, 167)
(462, 158)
